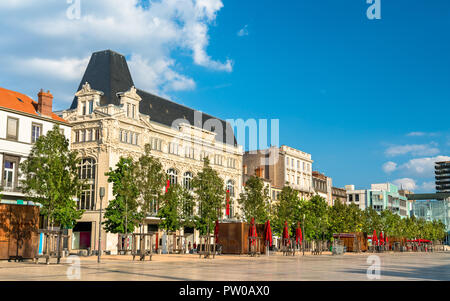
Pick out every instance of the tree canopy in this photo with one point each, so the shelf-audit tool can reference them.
(51, 178)
(254, 201)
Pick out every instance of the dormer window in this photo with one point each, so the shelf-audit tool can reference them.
(84, 108)
(91, 107)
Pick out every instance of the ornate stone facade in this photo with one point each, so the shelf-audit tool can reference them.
(103, 134)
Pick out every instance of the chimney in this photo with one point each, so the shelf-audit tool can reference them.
(45, 103)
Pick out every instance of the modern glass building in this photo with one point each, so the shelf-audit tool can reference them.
(434, 210)
(442, 173)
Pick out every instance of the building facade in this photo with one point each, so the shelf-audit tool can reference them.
(289, 166)
(379, 197)
(442, 174)
(111, 119)
(339, 194)
(22, 122)
(431, 210)
(322, 186)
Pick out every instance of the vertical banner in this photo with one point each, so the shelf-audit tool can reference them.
(228, 203)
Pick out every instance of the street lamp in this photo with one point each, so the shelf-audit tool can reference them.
(102, 194)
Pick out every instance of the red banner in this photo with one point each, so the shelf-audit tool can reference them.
(228, 203)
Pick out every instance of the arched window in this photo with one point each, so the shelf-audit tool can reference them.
(187, 180)
(87, 172)
(230, 189)
(173, 176)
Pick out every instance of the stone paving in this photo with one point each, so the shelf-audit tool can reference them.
(394, 266)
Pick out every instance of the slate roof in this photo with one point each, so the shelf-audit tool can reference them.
(20, 102)
(108, 72)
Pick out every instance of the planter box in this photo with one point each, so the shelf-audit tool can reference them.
(18, 231)
(233, 237)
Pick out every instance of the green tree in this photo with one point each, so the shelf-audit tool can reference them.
(149, 178)
(286, 209)
(121, 215)
(51, 178)
(210, 197)
(176, 208)
(254, 201)
(316, 221)
(371, 221)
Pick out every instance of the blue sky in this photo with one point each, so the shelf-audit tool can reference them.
(369, 99)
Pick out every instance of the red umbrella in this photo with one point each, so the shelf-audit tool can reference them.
(268, 233)
(381, 239)
(286, 232)
(374, 238)
(252, 231)
(216, 232)
(387, 241)
(298, 234)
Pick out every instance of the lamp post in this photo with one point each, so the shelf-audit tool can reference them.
(102, 194)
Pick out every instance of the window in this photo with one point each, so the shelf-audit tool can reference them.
(128, 110)
(173, 176)
(134, 111)
(84, 108)
(350, 198)
(12, 131)
(9, 174)
(173, 148)
(187, 180)
(91, 107)
(36, 132)
(155, 144)
(89, 137)
(189, 152)
(230, 189)
(218, 159)
(356, 197)
(87, 172)
(77, 136)
(97, 135)
(204, 155)
(136, 139)
(83, 135)
(231, 163)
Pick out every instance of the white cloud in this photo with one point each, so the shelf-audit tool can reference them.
(428, 186)
(413, 149)
(40, 40)
(389, 167)
(243, 31)
(423, 167)
(420, 134)
(406, 183)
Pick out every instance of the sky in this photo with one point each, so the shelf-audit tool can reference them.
(367, 98)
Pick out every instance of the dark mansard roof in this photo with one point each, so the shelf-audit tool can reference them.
(108, 72)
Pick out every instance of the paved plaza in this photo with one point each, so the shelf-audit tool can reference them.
(394, 266)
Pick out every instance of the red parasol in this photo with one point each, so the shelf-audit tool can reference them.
(216, 232)
(286, 231)
(298, 234)
(268, 233)
(374, 238)
(252, 231)
(381, 239)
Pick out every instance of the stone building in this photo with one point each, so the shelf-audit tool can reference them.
(113, 119)
(289, 167)
(323, 186)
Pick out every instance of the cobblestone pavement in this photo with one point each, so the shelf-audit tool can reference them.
(398, 266)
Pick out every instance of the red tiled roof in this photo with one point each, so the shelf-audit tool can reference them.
(22, 103)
